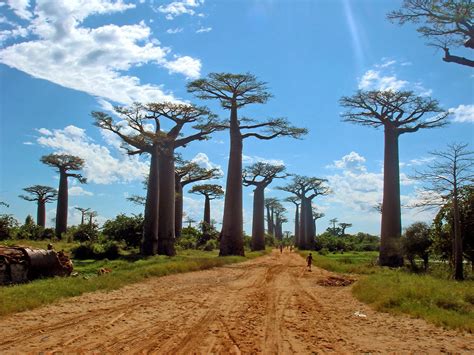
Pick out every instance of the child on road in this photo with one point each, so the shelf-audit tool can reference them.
(309, 261)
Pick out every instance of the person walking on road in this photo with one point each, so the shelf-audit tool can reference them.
(309, 261)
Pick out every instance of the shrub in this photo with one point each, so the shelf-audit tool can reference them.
(416, 242)
(84, 233)
(125, 228)
(8, 223)
(109, 250)
(210, 245)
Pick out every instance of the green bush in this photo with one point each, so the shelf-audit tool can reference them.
(83, 233)
(210, 245)
(97, 251)
(8, 223)
(125, 229)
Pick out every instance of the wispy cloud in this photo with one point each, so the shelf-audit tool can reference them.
(204, 30)
(463, 113)
(178, 8)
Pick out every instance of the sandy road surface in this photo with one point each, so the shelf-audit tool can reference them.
(267, 305)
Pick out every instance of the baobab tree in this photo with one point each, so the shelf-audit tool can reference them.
(235, 91)
(188, 172)
(398, 112)
(333, 223)
(297, 202)
(269, 205)
(83, 213)
(279, 218)
(210, 192)
(260, 175)
(343, 227)
(42, 195)
(64, 163)
(447, 23)
(444, 178)
(316, 215)
(91, 215)
(158, 230)
(306, 189)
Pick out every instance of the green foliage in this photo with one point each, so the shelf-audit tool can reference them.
(417, 241)
(446, 303)
(358, 242)
(210, 245)
(96, 251)
(269, 240)
(8, 223)
(83, 233)
(125, 229)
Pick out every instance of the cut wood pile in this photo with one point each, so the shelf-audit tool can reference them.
(21, 264)
(336, 281)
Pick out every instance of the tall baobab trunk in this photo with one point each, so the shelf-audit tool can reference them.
(82, 218)
(149, 244)
(61, 209)
(269, 221)
(178, 222)
(232, 225)
(258, 227)
(297, 225)
(41, 213)
(391, 230)
(309, 237)
(166, 236)
(458, 267)
(303, 214)
(207, 212)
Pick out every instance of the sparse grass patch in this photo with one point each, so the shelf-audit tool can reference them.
(435, 298)
(37, 293)
(445, 303)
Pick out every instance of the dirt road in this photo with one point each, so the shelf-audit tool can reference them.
(267, 305)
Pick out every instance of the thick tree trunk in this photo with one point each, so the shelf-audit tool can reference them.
(258, 221)
(390, 253)
(178, 219)
(207, 211)
(166, 236)
(303, 225)
(232, 242)
(458, 267)
(41, 213)
(82, 218)
(61, 210)
(269, 221)
(297, 225)
(149, 245)
(309, 238)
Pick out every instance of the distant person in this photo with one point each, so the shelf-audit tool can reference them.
(309, 261)
(281, 248)
(291, 248)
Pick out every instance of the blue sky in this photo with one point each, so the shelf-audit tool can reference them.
(60, 60)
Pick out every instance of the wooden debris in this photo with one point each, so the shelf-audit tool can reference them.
(335, 281)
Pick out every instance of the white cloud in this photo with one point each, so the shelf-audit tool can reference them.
(463, 113)
(185, 65)
(204, 30)
(28, 143)
(181, 7)
(352, 162)
(101, 167)
(247, 159)
(79, 191)
(174, 30)
(374, 80)
(20, 8)
(94, 60)
(45, 132)
(383, 78)
(203, 160)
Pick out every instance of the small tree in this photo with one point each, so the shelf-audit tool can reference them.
(316, 215)
(235, 91)
(260, 175)
(42, 195)
(158, 230)
(448, 23)
(83, 211)
(452, 170)
(343, 227)
(125, 228)
(417, 241)
(297, 202)
(64, 163)
(210, 192)
(306, 189)
(270, 203)
(398, 113)
(187, 173)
